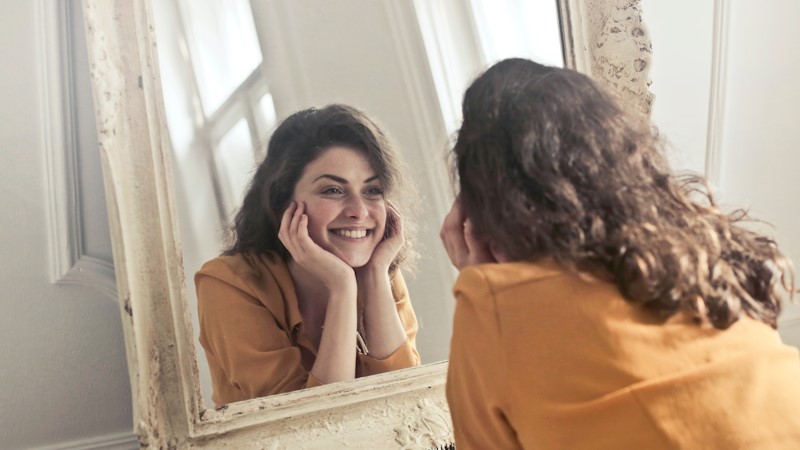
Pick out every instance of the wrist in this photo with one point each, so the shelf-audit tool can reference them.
(344, 281)
(343, 293)
(372, 272)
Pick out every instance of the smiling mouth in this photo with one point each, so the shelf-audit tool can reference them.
(352, 234)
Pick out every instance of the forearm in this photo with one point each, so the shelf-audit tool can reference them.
(384, 331)
(336, 354)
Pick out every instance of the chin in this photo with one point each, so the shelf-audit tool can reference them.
(354, 258)
(354, 262)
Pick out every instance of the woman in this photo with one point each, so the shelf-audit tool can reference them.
(310, 291)
(602, 302)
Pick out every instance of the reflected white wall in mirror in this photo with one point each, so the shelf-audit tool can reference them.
(231, 70)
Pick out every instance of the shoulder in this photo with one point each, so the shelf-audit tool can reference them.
(242, 279)
(529, 288)
(241, 265)
(243, 269)
(497, 278)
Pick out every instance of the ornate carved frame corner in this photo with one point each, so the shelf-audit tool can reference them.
(608, 40)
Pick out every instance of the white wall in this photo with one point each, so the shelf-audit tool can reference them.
(62, 356)
(760, 160)
(681, 74)
(758, 107)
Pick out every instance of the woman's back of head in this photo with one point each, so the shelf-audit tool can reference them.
(551, 166)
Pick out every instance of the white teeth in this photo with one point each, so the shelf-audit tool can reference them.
(355, 234)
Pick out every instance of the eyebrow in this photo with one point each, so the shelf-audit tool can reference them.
(340, 179)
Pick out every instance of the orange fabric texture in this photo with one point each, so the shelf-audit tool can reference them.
(252, 332)
(542, 358)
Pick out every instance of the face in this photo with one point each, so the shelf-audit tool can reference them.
(344, 204)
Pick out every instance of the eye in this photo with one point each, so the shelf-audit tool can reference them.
(374, 192)
(332, 190)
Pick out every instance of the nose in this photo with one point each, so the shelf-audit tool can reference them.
(356, 208)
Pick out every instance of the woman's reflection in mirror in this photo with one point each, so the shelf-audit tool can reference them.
(310, 290)
(603, 301)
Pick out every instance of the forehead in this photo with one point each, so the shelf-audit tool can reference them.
(345, 162)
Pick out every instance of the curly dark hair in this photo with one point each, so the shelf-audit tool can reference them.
(549, 165)
(298, 140)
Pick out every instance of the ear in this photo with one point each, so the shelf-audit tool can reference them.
(498, 254)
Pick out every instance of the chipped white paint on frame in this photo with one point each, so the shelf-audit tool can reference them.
(403, 409)
(608, 40)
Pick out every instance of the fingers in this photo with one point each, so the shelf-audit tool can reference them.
(286, 220)
(294, 226)
(394, 222)
(293, 232)
(464, 247)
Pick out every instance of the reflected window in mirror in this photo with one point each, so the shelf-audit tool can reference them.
(522, 29)
(216, 95)
(222, 47)
(463, 38)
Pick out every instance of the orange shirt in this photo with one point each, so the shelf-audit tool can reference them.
(541, 358)
(252, 331)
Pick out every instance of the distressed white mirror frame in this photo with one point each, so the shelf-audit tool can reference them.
(603, 38)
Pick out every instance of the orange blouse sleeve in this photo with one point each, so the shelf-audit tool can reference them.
(406, 355)
(249, 354)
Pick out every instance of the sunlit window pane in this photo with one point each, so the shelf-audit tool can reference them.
(177, 95)
(235, 162)
(224, 47)
(267, 108)
(520, 28)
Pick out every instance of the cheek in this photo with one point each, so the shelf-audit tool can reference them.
(319, 216)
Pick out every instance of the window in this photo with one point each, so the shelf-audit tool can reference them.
(216, 94)
(462, 38)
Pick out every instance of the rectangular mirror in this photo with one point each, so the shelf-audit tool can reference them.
(430, 52)
(230, 71)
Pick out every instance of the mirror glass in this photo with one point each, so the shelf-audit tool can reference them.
(232, 70)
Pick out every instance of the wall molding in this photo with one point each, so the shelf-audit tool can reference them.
(716, 100)
(117, 441)
(68, 264)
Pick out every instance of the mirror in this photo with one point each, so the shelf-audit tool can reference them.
(231, 70)
(404, 408)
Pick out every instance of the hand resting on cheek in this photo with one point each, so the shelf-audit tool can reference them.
(463, 246)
